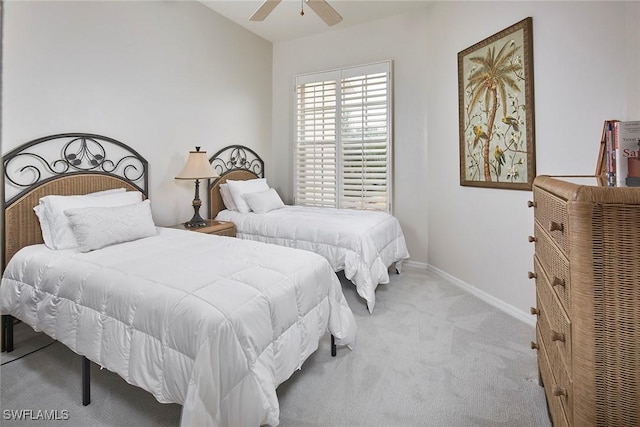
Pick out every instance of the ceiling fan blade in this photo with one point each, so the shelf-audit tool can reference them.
(264, 10)
(324, 10)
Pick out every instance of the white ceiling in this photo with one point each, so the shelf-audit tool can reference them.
(285, 22)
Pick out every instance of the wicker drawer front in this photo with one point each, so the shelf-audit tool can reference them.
(551, 214)
(554, 323)
(557, 365)
(556, 403)
(555, 264)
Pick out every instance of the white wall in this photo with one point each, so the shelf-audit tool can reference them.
(632, 42)
(401, 39)
(162, 77)
(479, 236)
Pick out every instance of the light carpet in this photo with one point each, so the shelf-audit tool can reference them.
(430, 355)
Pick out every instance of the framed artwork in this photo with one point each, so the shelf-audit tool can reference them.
(495, 95)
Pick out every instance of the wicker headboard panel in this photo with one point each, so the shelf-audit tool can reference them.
(65, 164)
(235, 162)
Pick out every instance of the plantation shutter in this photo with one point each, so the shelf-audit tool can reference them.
(365, 139)
(343, 138)
(316, 140)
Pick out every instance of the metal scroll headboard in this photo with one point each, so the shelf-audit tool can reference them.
(45, 159)
(235, 162)
(64, 164)
(237, 157)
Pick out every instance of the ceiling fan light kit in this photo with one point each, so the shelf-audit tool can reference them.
(323, 9)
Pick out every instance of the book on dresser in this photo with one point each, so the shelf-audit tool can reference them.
(627, 139)
(606, 166)
(586, 268)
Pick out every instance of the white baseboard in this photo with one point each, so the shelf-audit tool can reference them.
(415, 265)
(490, 299)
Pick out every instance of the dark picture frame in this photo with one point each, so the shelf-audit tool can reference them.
(496, 110)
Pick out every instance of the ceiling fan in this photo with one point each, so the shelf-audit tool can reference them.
(323, 9)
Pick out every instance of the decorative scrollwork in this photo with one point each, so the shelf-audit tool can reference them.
(237, 157)
(129, 165)
(43, 159)
(83, 154)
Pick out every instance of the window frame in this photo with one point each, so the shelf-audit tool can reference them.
(339, 75)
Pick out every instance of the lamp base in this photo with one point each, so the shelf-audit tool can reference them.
(195, 224)
(197, 220)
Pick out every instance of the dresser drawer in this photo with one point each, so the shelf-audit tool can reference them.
(551, 214)
(556, 403)
(554, 323)
(555, 265)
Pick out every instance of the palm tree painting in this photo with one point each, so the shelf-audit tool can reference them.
(495, 84)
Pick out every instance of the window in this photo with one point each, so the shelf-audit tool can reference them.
(343, 138)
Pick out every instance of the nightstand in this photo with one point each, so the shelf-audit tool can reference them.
(220, 228)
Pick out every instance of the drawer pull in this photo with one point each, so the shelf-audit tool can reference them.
(557, 336)
(531, 275)
(559, 391)
(535, 311)
(534, 345)
(556, 226)
(532, 239)
(531, 204)
(558, 282)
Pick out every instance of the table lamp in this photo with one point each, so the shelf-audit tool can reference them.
(197, 168)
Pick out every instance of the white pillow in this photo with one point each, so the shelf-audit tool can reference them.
(227, 198)
(59, 227)
(264, 201)
(239, 188)
(97, 227)
(40, 211)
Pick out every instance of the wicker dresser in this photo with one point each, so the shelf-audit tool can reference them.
(587, 274)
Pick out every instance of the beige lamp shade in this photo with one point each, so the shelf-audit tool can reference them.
(197, 166)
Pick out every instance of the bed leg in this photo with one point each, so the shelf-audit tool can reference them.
(7, 333)
(333, 346)
(86, 381)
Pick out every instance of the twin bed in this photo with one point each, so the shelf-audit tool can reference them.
(363, 244)
(210, 322)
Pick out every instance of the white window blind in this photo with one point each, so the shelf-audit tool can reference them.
(343, 138)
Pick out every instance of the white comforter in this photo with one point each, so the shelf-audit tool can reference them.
(362, 243)
(213, 323)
